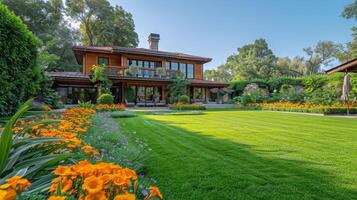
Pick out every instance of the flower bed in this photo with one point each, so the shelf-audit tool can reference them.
(184, 106)
(110, 107)
(97, 181)
(298, 107)
(90, 178)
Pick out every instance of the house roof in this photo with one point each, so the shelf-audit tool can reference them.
(349, 66)
(141, 51)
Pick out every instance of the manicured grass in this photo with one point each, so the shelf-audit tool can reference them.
(250, 155)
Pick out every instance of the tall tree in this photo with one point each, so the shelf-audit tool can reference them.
(321, 56)
(350, 11)
(253, 61)
(45, 19)
(222, 73)
(350, 50)
(291, 67)
(102, 24)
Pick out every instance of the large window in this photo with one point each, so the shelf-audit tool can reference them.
(145, 71)
(183, 70)
(190, 71)
(174, 67)
(103, 61)
(167, 65)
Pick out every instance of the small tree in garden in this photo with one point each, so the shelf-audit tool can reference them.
(101, 79)
(20, 74)
(178, 88)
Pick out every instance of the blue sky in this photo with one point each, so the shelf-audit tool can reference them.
(216, 28)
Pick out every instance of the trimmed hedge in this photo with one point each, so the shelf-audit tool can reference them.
(122, 114)
(20, 74)
(318, 110)
(187, 107)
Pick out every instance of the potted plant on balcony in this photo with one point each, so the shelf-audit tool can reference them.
(132, 71)
(160, 72)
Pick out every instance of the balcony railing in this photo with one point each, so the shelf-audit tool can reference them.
(143, 73)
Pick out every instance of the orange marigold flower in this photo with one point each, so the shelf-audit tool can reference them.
(57, 198)
(96, 196)
(8, 194)
(17, 129)
(127, 196)
(155, 191)
(121, 180)
(18, 183)
(63, 171)
(93, 184)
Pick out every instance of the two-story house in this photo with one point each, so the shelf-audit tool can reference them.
(139, 76)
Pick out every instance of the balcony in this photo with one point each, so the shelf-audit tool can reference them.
(148, 73)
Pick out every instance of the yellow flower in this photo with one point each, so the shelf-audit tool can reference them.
(93, 184)
(125, 197)
(96, 196)
(56, 198)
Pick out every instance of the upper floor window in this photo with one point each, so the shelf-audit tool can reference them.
(174, 66)
(167, 65)
(190, 71)
(103, 61)
(183, 70)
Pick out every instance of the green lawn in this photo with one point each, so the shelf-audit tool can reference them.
(250, 155)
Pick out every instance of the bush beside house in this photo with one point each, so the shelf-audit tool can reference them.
(20, 74)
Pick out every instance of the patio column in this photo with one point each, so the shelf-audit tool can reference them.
(122, 94)
(207, 94)
(163, 92)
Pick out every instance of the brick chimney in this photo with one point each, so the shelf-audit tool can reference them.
(154, 41)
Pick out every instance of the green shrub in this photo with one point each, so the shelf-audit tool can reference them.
(239, 86)
(122, 114)
(276, 83)
(43, 107)
(20, 74)
(105, 99)
(87, 104)
(183, 99)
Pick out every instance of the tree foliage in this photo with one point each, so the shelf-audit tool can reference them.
(102, 24)
(100, 78)
(350, 49)
(47, 21)
(222, 73)
(253, 61)
(20, 74)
